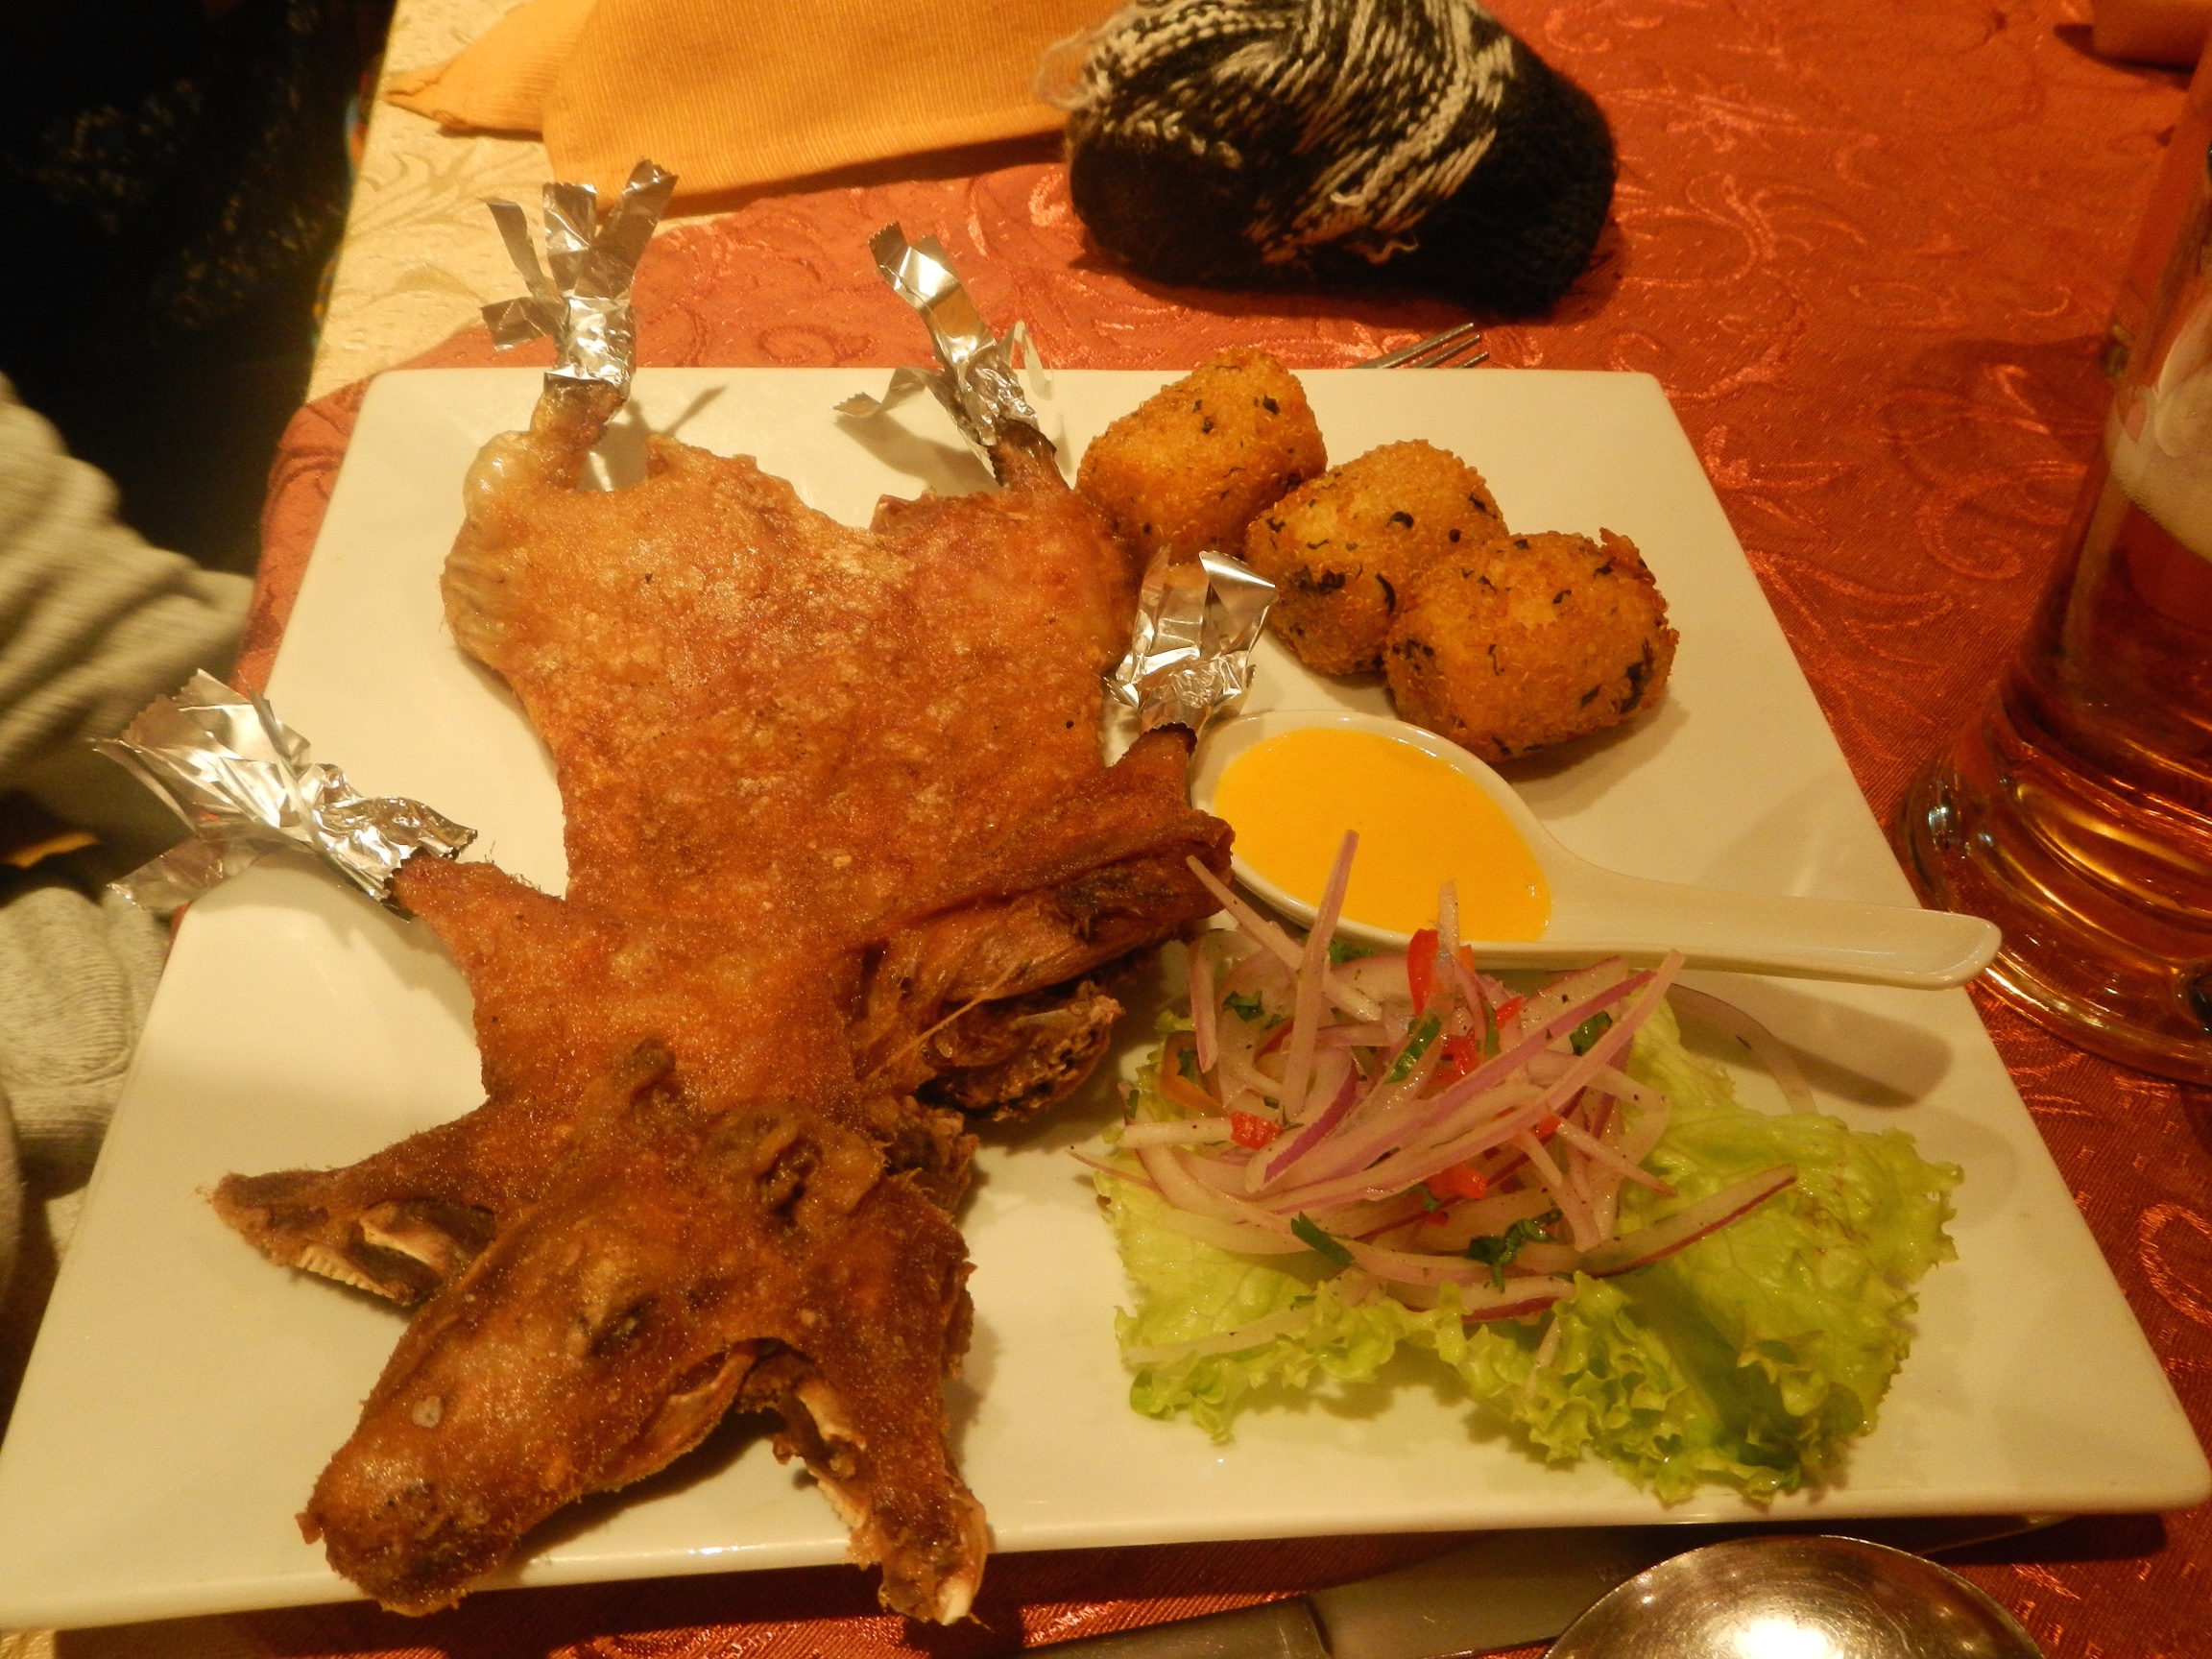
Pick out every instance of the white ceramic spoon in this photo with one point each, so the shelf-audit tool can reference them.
(1599, 912)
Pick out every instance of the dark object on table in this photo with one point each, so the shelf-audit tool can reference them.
(1240, 142)
(177, 178)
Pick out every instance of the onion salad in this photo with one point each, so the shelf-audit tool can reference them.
(1416, 1124)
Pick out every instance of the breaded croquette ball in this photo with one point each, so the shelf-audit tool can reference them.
(1189, 467)
(1529, 642)
(1342, 548)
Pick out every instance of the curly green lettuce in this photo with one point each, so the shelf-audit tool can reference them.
(1748, 1360)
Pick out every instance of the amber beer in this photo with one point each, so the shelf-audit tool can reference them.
(2075, 811)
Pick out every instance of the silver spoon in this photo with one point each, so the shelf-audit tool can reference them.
(1795, 1598)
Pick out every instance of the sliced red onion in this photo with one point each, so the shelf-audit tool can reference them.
(1355, 1288)
(1333, 1074)
(1222, 1173)
(1577, 1169)
(1280, 1323)
(1205, 1014)
(1286, 949)
(1687, 1225)
(1414, 1267)
(1417, 1163)
(1400, 1170)
(1449, 1113)
(1242, 1073)
(1765, 1048)
(1311, 1134)
(1571, 988)
(1237, 1207)
(1495, 992)
(1633, 1138)
(1385, 1103)
(1552, 1064)
(1256, 973)
(1177, 1131)
(1365, 1219)
(1639, 1136)
(1248, 1102)
(1612, 1080)
(1442, 1107)
(1404, 1121)
(1312, 977)
(1115, 1170)
(1448, 920)
(1382, 977)
(1539, 1257)
(1597, 1152)
(1520, 1298)
(1546, 1348)
(1470, 984)
(1571, 1205)
(1230, 1235)
(1489, 1217)
(1183, 1190)
(1605, 1207)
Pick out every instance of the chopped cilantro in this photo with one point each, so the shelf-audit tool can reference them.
(1309, 1234)
(1585, 1036)
(1495, 1251)
(1187, 1063)
(1343, 951)
(1247, 1007)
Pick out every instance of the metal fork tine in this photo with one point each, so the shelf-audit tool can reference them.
(1434, 352)
(1445, 359)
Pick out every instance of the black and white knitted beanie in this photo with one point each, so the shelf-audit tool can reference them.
(1240, 142)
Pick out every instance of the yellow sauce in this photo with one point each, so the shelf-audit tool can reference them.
(1421, 823)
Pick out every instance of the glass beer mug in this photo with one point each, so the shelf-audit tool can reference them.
(2075, 809)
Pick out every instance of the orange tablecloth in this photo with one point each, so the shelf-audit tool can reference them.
(1869, 250)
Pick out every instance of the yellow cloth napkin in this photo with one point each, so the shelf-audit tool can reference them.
(732, 94)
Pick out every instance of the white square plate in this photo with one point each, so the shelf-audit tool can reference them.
(185, 1393)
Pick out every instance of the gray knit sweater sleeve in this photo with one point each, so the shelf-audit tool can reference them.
(94, 624)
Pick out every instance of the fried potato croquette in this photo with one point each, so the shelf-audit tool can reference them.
(1189, 466)
(1529, 642)
(1343, 548)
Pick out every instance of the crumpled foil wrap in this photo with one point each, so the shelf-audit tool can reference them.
(1191, 651)
(580, 297)
(243, 783)
(977, 384)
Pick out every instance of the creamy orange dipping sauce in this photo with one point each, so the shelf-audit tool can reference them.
(1421, 824)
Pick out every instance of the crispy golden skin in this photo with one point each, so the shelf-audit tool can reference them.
(1189, 467)
(1530, 642)
(1341, 548)
(838, 833)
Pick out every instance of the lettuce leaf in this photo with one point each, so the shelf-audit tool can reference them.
(1748, 1360)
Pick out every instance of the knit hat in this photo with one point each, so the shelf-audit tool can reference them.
(1252, 142)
